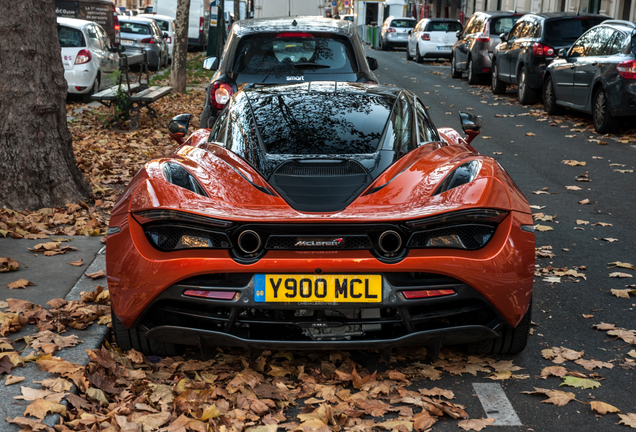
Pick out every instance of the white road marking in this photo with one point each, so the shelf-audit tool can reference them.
(496, 404)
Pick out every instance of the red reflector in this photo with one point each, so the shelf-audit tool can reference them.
(217, 295)
(294, 34)
(416, 294)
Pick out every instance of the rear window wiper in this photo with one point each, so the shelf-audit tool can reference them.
(310, 65)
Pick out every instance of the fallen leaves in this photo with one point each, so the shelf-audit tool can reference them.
(52, 248)
(603, 408)
(543, 228)
(556, 397)
(623, 293)
(583, 383)
(77, 263)
(8, 265)
(628, 420)
(20, 283)
(475, 424)
(560, 354)
(621, 265)
(620, 275)
(96, 275)
(40, 408)
(573, 163)
(584, 201)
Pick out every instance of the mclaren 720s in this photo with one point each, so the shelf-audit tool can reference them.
(322, 215)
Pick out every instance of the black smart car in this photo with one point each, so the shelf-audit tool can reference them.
(286, 50)
(533, 42)
(597, 75)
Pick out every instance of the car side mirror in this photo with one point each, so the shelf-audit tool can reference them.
(458, 34)
(178, 127)
(503, 37)
(211, 63)
(562, 53)
(164, 35)
(373, 63)
(471, 125)
(410, 32)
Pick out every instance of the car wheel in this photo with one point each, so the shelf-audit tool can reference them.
(473, 78)
(86, 98)
(526, 94)
(511, 341)
(408, 54)
(418, 56)
(603, 120)
(454, 72)
(497, 86)
(549, 97)
(128, 339)
(382, 45)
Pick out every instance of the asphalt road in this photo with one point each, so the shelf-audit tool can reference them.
(535, 163)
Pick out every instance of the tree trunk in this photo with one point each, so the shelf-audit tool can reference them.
(37, 165)
(237, 10)
(179, 73)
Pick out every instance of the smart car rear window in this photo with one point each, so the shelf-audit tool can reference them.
(70, 37)
(134, 28)
(403, 23)
(566, 31)
(329, 123)
(286, 52)
(442, 26)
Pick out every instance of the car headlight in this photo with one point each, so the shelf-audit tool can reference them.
(465, 173)
(466, 229)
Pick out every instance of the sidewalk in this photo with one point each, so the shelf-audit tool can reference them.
(53, 277)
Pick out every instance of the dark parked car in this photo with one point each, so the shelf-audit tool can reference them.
(286, 50)
(533, 42)
(474, 47)
(597, 75)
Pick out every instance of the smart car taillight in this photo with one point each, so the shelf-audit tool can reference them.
(483, 38)
(426, 37)
(84, 56)
(627, 69)
(294, 34)
(149, 40)
(221, 94)
(542, 50)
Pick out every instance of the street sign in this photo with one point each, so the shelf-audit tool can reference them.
(346, 2)
(214, 3)
(334, 3)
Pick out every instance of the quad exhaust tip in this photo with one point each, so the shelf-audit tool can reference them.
(389, 242)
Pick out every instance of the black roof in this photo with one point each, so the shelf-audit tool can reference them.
(552, 15)
(322, 87)
(501, 13)
(303, 23)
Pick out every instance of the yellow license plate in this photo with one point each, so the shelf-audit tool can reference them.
(292, 288)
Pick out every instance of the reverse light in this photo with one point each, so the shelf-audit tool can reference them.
(215, 295)
(294, 34)
(417, 294)
(220, 94)
(426, 37)
(627, 69)
(84, 56)
(149, 40)
(542, 50)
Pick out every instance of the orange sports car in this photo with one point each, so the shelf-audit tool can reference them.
(322, 215)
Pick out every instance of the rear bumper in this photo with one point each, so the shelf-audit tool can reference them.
(80, 76)
(621, 95)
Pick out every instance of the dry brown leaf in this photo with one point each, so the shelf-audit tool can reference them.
(561, 354)
(32, 425)
(10, 379)
(619, 275)
(592, 364)
(78, 263)
(610, 239)
(8, 265)
(530, 134)
(623, 293)
(543, 228)
(574, 188)
(20, 283)
(96, 275)
(628, 419)
(584, 201)
(558, 371)
(40, 408)
(437, 392)
(603, 408)
(475, 424)
(555, 397)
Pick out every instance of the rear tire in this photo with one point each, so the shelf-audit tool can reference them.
(418, 56)
(549, 97)
(408, 54)
(473, 78)
(132, 339)
(512, 340)
(454, 72)
(497, 86)
(526, 94)
(603, 120)
(86, 98)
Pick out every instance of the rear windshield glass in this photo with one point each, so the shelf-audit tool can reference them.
(134, 28)
(403, 23)
(70, 37)
(443, 26)
(286, 52)
(321, 123)
(502, 25)
(566, 31)
(163, 25)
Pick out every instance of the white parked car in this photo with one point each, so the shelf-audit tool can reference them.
(166, 25)
(88, 56)
(395, 32)
(433, 38)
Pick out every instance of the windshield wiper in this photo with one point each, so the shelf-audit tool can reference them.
(309, 65)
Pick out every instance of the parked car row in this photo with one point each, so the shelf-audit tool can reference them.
(580, 61)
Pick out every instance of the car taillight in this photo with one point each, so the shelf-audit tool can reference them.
(201, 21)
(221, 94)
(117, 27)
(168, 40)
(294, 34)
(542, 50)
(426, 37)
(84, 56)
(627, 69)
(391, 30)
(148, 40)
(416, 294)
(483, 38)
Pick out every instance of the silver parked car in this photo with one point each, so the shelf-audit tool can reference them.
(139, 34)
(475, 44)
(395, 32)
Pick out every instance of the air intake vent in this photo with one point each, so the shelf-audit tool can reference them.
(320, 186)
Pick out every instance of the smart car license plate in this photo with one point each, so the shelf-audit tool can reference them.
(293, 288)
(444, 48)
(127, 42)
